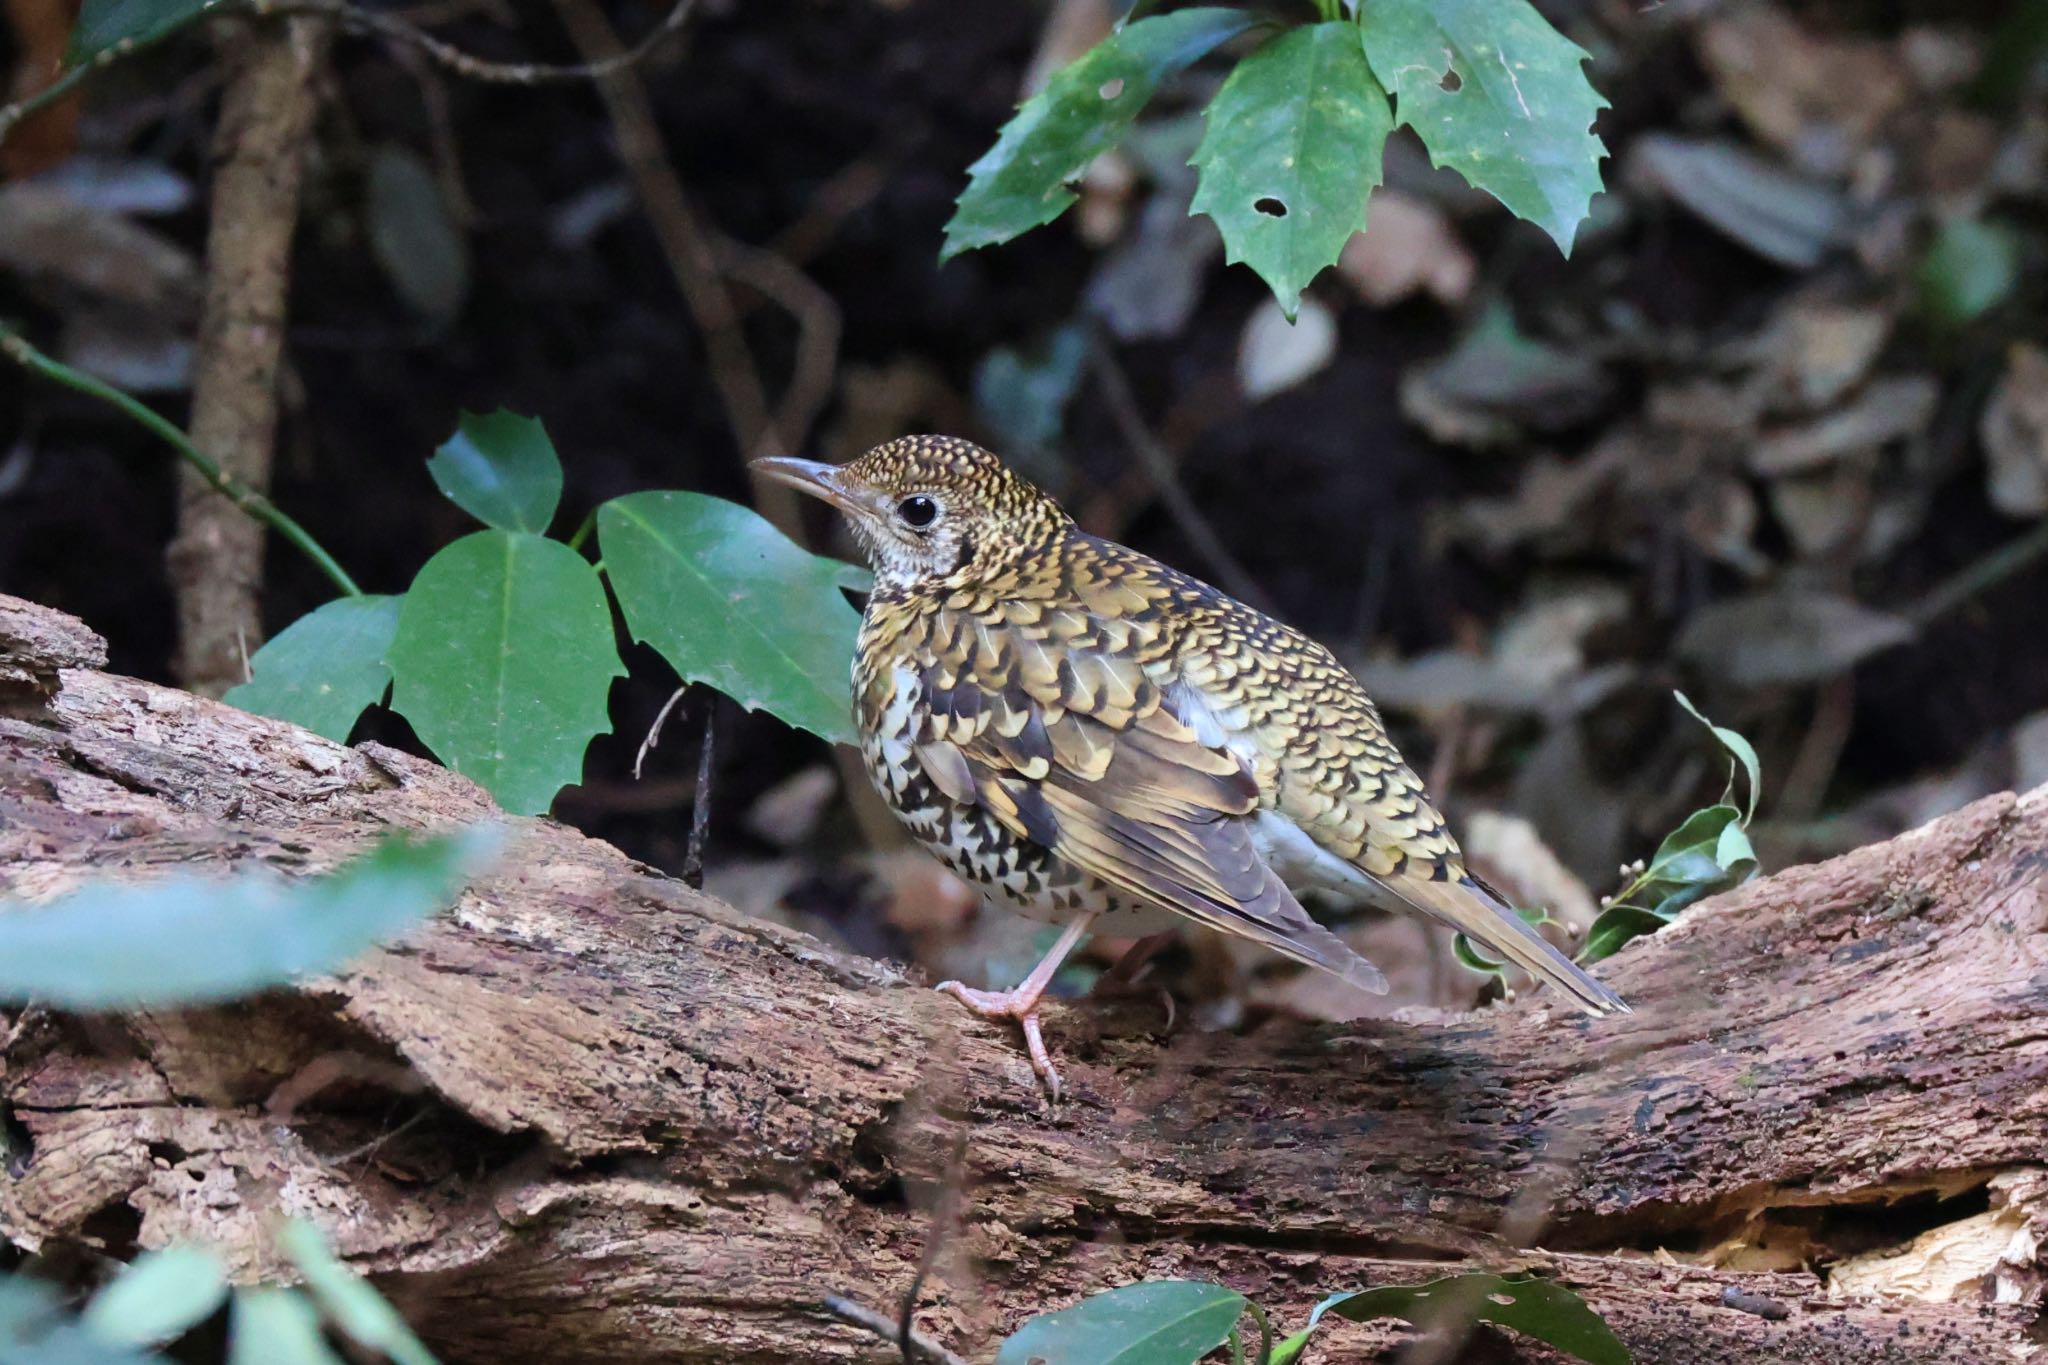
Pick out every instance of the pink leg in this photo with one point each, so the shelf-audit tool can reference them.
(1021, 1003)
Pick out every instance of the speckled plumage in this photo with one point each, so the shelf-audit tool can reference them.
(1077, 727)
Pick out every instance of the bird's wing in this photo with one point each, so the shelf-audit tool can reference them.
(1048, 720)
(1338, 778)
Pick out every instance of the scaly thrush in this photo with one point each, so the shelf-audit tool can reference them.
(1091, 736)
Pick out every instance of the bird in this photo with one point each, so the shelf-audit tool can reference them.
(1097, 740)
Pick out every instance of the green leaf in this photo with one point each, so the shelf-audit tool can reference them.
(1473, 958)
(1537, 1308)
(1497, 95)
(28, 1308)
(502, 469)
(358, 1309)
(1739, 748)
(324, 668)
(1291, 154)
(1158, 1322)
(104, 23)
(730, 601)
(187, 939)
(1699, 831)
(162, 1296)
(503, 662)
(1082, 112)
(1023, 393)
(1615, 927)
(1971, 267)
(269, 1326)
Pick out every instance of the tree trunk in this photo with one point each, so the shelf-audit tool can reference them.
(591, 1115)
(216, 559)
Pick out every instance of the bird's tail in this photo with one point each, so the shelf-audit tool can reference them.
(1477, 911)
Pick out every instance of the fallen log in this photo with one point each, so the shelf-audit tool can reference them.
(592, 1115)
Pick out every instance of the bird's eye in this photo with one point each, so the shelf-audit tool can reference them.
(917, 512)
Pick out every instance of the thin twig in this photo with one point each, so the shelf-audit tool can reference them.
(1158, 463)
(654, 730)
(846, 1310)
(700, 806)
(356, 20)
(17, 348)
(1979, 576)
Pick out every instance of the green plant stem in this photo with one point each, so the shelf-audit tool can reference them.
(18, 349)
(583, 531)
(1265, 1355)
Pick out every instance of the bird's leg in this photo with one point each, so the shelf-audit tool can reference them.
(1021, 1002)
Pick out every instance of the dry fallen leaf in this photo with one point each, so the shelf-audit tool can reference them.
(1409, 247)
(1274, 355)
(2014, 430)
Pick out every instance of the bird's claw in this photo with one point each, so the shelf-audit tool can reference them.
(1012, 1005)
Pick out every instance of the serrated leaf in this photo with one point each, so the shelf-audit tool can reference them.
(503, 663)
(1497, 95)
(276, 1327)
(502, 469)
(163, 1295)
(356, 1308)
(1291, 154)
(1740, 749)
(1084, 109)
(1538, 1308)
(323, 669)
(1158, 1322)
(730, 601)
(104, 23)
(1614, 928)
(187, 939)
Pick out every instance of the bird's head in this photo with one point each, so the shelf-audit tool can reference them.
(925, 508)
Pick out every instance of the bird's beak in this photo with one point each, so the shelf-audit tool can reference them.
(808, 476)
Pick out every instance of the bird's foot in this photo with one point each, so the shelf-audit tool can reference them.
(1020, 1004)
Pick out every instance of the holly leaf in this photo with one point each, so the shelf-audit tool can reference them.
(502, 469)
(730, 601)
(1083, 111)
(323, 669)
(503, 663)
(1291, 154)
(1497, 95)
(1157, 1322)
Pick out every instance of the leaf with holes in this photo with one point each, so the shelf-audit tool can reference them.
(324, 668)
(502, 469)
(1158, 1322)
(187, 939)
(503, 663)
(1537, 1308)
(1084, 109)
(1497, 95)
(729, 600)
(1291, 154)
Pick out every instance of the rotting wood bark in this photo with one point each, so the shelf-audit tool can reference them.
(594, 1116)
